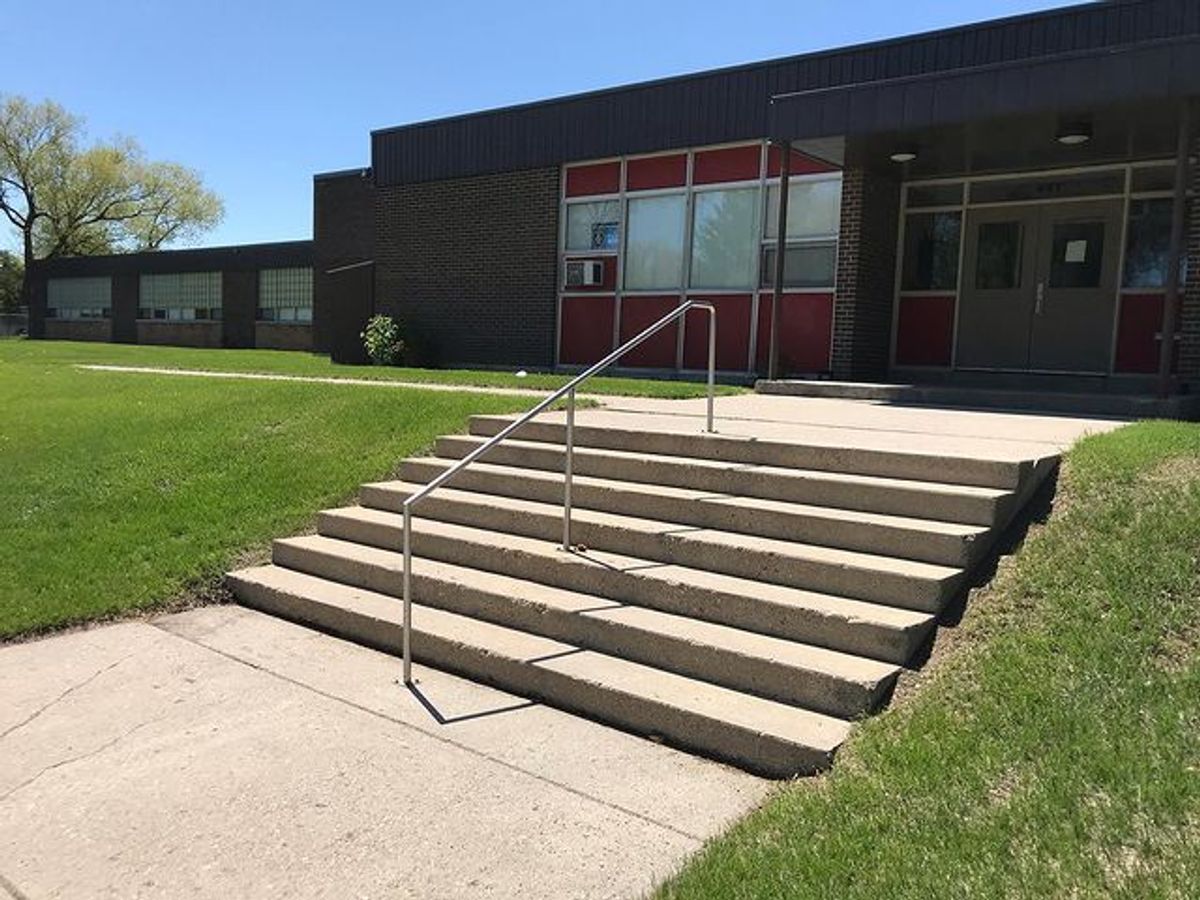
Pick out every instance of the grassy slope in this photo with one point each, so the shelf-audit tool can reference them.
(1055, 751)
(293, 363)
(117, 491)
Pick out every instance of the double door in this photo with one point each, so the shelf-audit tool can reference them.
(1039, 287)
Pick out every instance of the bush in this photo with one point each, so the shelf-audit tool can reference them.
(383, 341)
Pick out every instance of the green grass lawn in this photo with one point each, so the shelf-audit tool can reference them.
(119, 492)
(1053, 750)
(284, 362)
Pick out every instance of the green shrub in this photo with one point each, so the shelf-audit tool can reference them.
(383, 341)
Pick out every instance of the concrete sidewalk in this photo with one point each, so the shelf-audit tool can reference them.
(224, 753)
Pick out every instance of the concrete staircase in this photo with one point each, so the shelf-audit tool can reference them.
(744, 599)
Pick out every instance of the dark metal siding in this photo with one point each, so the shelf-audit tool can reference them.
(285, 254)
(732, 104)
(1168, 69)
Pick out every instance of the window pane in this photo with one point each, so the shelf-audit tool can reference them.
(184, 290)
(931, 252)
(935, 195)
(998, 262)
(814, 209)
(804, 265)
(654, 244)
(63, 294)
(723, 238)
(594, 226)
(1154, 178)
(1149, 243)
(285, 287)
(1049, 187)
(1077, 253)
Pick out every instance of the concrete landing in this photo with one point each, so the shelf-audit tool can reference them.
(225, 753)
(964, 433)
(1079, 403)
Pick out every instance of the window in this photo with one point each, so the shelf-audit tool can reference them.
(813, 219)
(1149, 243)
(180, 296)
(998, 260)
(931, 252)
(723, 238)
(654, 243)
(285, 295)
(79, 298)
(1077, 254)
(594, 226)
(1048, 187)
(814, 209)
(923, 196)
(810, 265)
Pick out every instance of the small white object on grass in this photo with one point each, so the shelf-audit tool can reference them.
(522, 373)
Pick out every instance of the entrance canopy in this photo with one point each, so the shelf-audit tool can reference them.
(1002, 117)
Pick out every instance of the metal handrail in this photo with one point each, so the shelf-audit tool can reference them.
(567, 390)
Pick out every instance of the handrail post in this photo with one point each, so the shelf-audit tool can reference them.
(712, 363)
(407, 641)
(568, 391)
(568, 470)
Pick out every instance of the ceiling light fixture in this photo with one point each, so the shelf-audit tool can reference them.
(1074, 134)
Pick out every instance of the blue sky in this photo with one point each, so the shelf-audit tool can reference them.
(260, 95)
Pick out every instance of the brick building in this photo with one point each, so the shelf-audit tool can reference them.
(987, 204)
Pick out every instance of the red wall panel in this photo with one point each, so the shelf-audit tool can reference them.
(733, 333)
(806, 330)
(801, 164)
(608, 283)
(729, 164)
(637, 313)
(596, 178)
(1138, 326)
(925, 331)
(586, 329)
(656, 172)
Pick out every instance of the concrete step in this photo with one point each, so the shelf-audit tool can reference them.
(881, 579)
(964, 504)
(1006, 474)
(881, 632)
(945, 543)
(819, 679)
(761, 735)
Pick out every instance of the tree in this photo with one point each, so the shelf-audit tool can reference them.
(12, 277)
(69, 199)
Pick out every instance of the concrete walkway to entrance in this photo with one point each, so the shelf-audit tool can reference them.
(224, 753)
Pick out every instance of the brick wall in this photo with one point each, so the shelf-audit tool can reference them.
(1189, 313)
(866, 267)
(239, 307)
(469, 266)
(343, 233)
(78, 330)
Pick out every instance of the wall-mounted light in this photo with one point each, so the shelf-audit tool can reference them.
(904, 155)
(1073, 134)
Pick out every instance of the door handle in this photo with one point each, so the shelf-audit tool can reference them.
(1041, 296)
